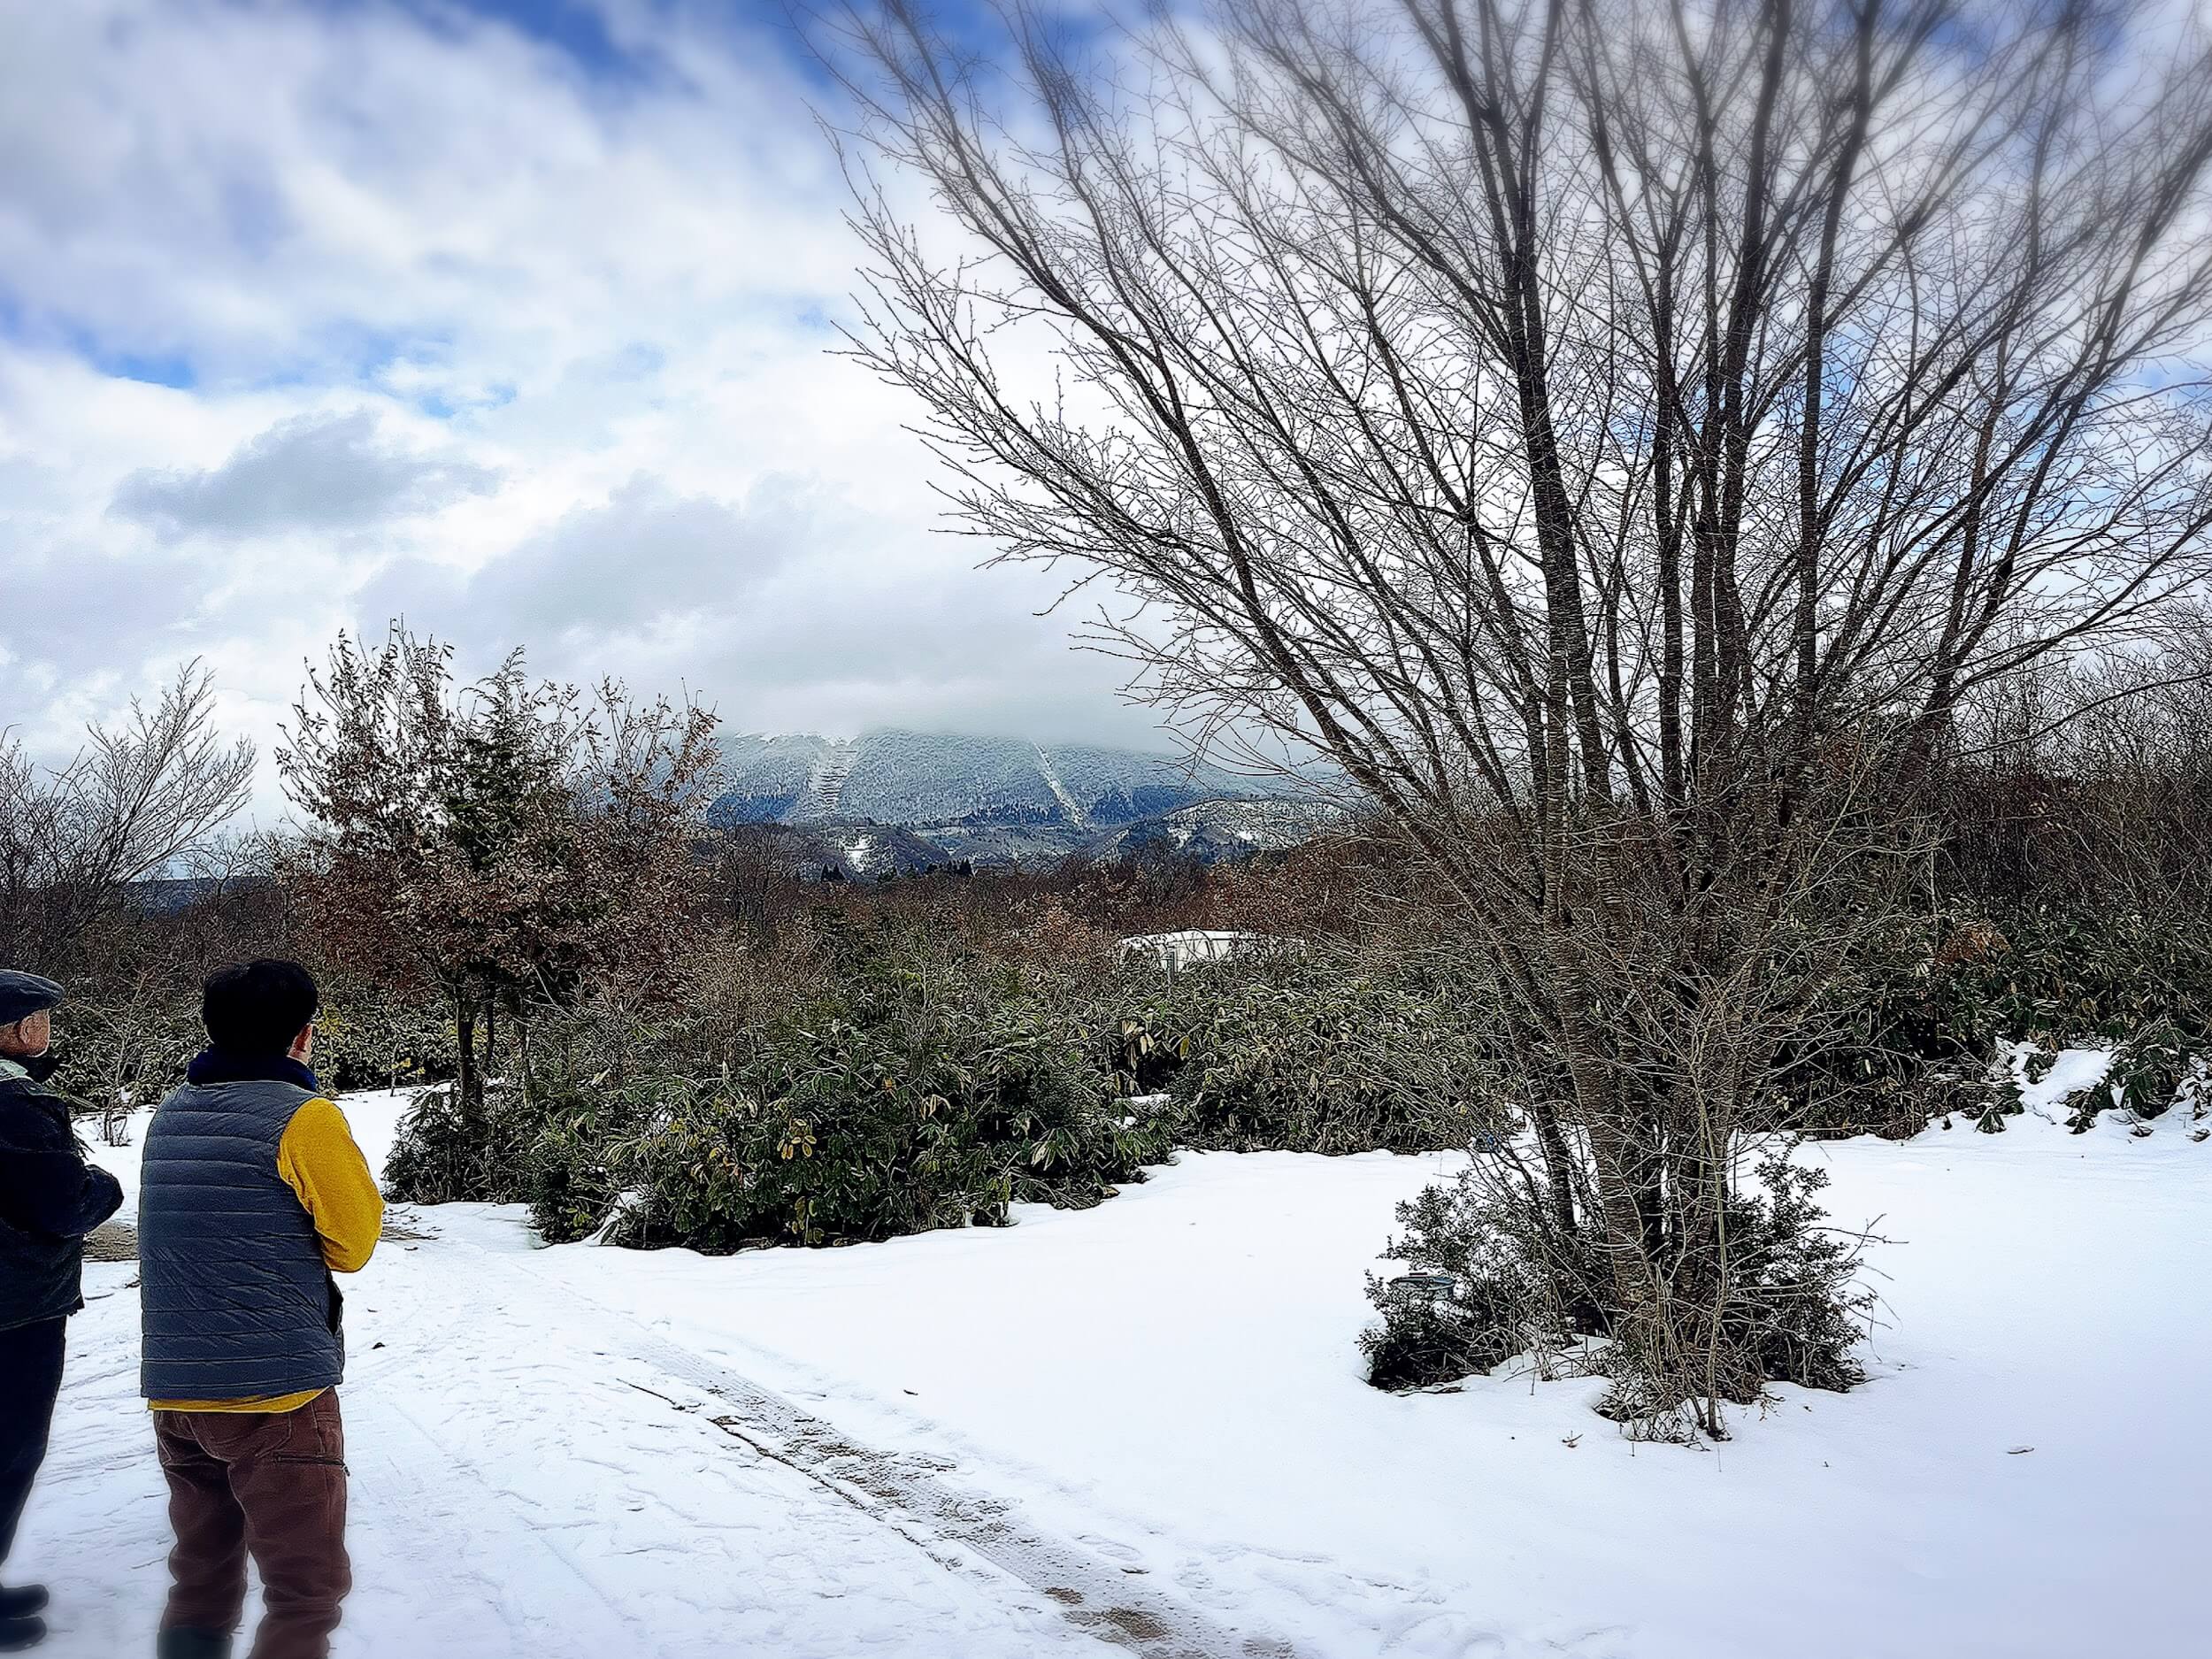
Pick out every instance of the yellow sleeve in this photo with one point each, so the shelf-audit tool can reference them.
(320, 1161)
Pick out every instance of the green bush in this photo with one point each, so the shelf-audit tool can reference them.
(365, 1038)
(118, 1055)
(888, 1080)
(1480, 1291)
(449, 1152)
(1311, 1053)
(2156, 1069)
(2081, 976)
(1473, 1296)
(1923, 1017)
(921, 1086)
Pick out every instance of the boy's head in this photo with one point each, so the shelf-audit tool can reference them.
(259, 1007)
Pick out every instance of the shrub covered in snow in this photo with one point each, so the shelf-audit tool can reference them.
(1929, 1014)
(2157, 1070)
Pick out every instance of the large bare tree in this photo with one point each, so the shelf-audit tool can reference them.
(1618, 432)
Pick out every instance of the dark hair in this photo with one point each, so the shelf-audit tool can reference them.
(258, 1007)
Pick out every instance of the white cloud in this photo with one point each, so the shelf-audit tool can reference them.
(537, 355)
(306, 472)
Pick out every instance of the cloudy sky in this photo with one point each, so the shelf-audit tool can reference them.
(511, 317)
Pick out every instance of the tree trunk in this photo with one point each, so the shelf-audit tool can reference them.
(468, 1081)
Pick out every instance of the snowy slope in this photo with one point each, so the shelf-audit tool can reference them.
(923, 778)
(771, 777)
(1145, 1421)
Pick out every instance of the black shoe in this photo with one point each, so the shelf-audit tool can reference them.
(17, 1635)
(23, 1600)
(193, 1644)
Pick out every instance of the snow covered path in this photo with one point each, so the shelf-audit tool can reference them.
(1141, 1429)
(526, 1484)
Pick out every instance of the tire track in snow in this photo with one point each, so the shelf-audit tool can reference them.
(635, 1487)
(907, 1494)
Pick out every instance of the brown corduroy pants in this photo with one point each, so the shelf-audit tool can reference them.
(273, 1485)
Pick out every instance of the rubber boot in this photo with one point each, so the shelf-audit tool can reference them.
(24, 1600)
(20, 1635)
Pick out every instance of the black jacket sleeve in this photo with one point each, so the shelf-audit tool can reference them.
(47, 1187)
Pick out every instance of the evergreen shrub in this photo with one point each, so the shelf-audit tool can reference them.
(1927, 1014)
(1479, 1292)
(1311, 1052)
(912, 1086)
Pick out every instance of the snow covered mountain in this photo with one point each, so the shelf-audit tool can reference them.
(996, 800)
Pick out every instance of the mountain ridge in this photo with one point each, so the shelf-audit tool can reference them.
(893, 775)
(993, 800)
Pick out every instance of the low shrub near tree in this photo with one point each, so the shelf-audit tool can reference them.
(458, 1147)
(1477, 1293)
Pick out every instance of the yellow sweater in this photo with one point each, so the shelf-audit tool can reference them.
(319, 1162)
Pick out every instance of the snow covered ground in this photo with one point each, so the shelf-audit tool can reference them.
(1141, 1428)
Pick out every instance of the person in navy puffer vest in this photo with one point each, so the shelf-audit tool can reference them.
(252, 1194)
(49, 1198)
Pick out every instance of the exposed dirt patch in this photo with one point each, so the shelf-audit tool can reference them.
(114, 1242)
(117, 1242)
(1130, 1621)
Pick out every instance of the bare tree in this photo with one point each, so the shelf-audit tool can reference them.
(2089, 780)
(141, 797)
(1618, 433)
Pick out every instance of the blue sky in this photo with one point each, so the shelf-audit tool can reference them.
(578, 29)
(511, 317)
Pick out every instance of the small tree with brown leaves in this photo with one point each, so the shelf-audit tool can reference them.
(511, 844)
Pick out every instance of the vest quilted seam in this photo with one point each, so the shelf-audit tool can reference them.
(236, 1300)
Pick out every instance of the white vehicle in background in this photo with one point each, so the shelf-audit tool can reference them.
(1174, 952)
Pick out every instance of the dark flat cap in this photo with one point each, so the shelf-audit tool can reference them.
(24, 994)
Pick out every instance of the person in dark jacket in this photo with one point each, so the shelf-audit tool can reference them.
(49, 1198)
(252, 1194)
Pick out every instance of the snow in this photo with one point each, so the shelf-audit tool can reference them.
(1146, 1420)
(2073, 1071)
(923, 778)
(1071, 810)
(825, 783)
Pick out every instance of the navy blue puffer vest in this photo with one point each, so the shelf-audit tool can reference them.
(235, 1300)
